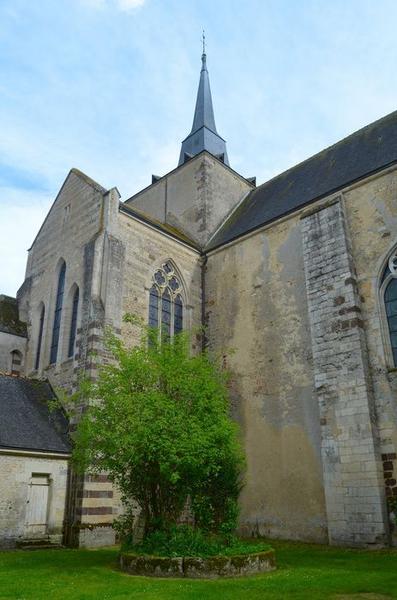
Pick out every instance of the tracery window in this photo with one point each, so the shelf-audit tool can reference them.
(73, 323)
(389, 281)
(165, 301)
(40, 338)
(57, 315)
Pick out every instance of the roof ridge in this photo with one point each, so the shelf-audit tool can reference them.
(326, 149)
(364, 152)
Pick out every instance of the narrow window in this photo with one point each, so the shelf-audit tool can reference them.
(166, 314)
(178, 314)
(391, 313)
(57, 315)
(154, 307)
(73, 324)
(40, 337)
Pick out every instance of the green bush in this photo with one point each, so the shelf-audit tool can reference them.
(184, 540)
(157, 420)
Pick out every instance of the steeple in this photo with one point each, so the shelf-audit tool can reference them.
(203, 135)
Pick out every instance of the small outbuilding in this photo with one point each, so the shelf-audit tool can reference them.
(13, 337)
(34, 455)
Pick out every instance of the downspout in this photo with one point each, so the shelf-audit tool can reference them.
(204, 339)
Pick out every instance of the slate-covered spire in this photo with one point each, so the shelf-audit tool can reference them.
(203, 135)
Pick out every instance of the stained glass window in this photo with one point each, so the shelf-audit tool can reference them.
(178, 314)
(57, 316)
(154, 307)
(391, 313)
(73, 323)
(159, 277)
(168, 268)
(165, 302)
(166, 313)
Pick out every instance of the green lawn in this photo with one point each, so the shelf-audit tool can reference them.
(304, 571)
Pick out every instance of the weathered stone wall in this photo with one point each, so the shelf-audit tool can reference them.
(257, 315)
(9, 343)
(74, 219)
(371, 214)
(15, 475)
(145, 251)
(256, 304)
(194, 198)
(349, 441)
(76, 230)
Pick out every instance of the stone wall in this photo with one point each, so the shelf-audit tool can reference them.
(257, 316)
(195, 197)
(145, 251)
(371, 213)
(74, 219)
(75, 231)
(349, 437)
(9, 343)
(258, 302)
(15, 476)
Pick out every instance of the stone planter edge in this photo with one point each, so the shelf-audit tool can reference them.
(198, 568)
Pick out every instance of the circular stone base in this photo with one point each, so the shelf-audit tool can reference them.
(198, 568)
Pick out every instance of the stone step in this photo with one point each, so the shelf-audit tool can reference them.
(38, 544)
(42, 547)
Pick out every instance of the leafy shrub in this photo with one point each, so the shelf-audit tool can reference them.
(157, 420)
(184, 540)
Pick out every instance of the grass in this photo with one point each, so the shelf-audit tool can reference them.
(304, 571)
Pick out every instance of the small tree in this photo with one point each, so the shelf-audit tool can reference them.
(158, 422)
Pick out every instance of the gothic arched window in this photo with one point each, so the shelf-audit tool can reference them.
(391, 314)
(73, 322)
(388, 296)
(58, 314)
(165, 301)
(39, 338)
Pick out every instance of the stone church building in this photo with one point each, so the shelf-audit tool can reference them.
(296, 283)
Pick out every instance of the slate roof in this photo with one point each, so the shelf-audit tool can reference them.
(364, 152)
(9, 319)
(26, 422)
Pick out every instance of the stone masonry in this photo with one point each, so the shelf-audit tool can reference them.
(352, 467)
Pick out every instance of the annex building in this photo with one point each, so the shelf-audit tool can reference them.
(295, 281)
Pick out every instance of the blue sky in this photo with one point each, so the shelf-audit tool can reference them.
(109, 86)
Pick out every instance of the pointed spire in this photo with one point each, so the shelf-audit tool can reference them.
(204, 111)
(203, 135)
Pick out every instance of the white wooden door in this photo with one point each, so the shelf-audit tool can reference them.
(37, 506)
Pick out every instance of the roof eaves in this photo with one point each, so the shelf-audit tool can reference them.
(210, 248)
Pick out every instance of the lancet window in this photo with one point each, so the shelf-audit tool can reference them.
(389, 280)
(73, 323)
(40, 338)
(57, 315)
